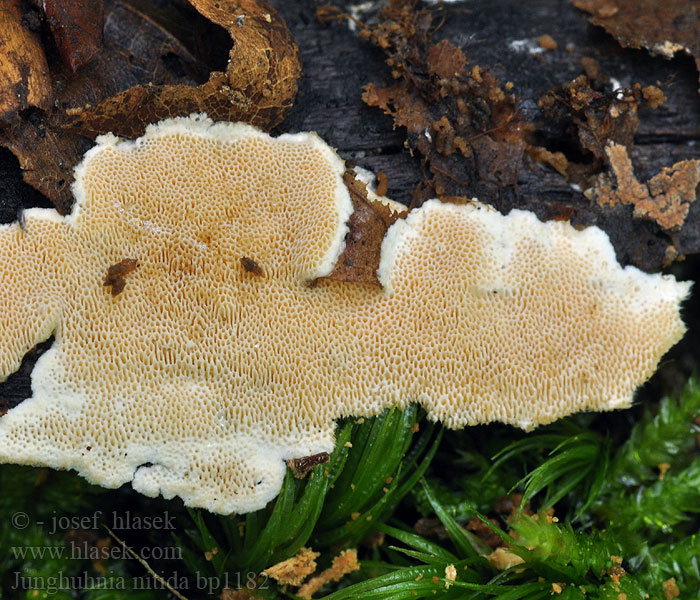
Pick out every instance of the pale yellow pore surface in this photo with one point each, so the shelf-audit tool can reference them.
(200, 378)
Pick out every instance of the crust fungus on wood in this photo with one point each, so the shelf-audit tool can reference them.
(199, 380)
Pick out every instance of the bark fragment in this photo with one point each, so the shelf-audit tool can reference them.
(368, 225)
(663, 27)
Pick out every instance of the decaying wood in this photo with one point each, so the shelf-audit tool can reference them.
(367, 226)
(338, 64)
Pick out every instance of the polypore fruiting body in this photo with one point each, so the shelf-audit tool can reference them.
(203, 374)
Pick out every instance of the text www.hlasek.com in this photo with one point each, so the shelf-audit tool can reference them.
(87, 551)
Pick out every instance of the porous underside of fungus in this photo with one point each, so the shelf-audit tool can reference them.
(201, 377)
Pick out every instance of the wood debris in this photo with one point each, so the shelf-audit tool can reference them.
(116, 274)
(450, 575)
(464, 126)
(346, 562)
(663, 27)
(251, 266)
(295, 570)
(472, 138)
(665, 199)
(301, 466)
(584, 109)
(547, 42)
(503, 559)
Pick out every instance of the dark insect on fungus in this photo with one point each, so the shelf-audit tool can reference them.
(251, 266)
(301, 466)
(116, 274)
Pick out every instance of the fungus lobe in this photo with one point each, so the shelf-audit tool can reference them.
(200, 380)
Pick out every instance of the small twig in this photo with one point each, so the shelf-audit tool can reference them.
(145, 565)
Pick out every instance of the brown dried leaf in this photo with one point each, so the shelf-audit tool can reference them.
(661, 26)
(363, 243)
(143, 74)
(76, 26)
(24, 74)
(665, 199)
(46, 150)
(258, 86)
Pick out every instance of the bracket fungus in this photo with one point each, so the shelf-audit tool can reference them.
(203, 375)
